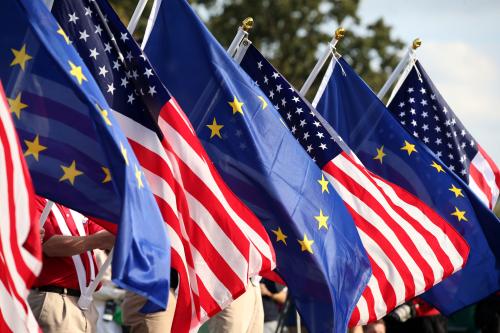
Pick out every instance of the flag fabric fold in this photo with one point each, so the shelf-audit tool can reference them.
(20, 245)
(386, 149)
(423, 112)
(411, 248)
(217, 242)
(74, 148)
(318, 250)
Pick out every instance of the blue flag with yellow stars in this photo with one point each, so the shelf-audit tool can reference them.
(75, 151)
(319, 253)
(388, 150)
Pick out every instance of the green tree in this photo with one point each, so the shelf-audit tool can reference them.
(289, 32)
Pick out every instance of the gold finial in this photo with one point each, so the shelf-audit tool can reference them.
(339, 33)
(416, 43)
(247, 24)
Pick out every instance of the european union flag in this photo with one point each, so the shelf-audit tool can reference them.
(75, 151)
(318, 250)
(388, 150)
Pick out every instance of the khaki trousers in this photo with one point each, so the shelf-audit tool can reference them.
(243, 315)
(158, 322)
(58, 313)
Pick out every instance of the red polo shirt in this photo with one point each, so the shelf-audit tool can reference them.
(62, 271)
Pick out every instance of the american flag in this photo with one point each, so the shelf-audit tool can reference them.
(424, 113)
(411, 247)
(217, 243)
(20, 250)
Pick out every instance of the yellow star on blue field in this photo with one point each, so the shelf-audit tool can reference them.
(324, 184)
(457, 191)
(76, 71)
(16, 105)
(380, 154)
(104, 114)
(34, 147)
(322, 219)
(124, 153)
(437, 166)
(460, 214)
(138, 174)
(306, 244)
(215, 128)
(236, 106)
(107, 175)
(61, 32)
(409, 148)
(70, 173)
(263, 101)
(20, 57)
(280, 236)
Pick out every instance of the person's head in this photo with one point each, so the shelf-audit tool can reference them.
(376, 327)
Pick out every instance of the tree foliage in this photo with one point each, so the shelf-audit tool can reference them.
(289, 33)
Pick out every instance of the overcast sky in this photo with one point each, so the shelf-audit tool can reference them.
(460, 52)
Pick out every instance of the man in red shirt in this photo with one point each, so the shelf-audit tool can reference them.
(68, 267)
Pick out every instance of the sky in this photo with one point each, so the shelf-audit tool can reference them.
(460, 52)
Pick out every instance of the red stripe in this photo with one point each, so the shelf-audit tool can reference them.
(481, 183)
(492, 165)
(3, 325)
(171, 117)
(182, 315)
(374, 233)
(370, 301)
(354, 318)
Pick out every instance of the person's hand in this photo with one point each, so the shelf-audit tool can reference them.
(42, 234)
(264, 291)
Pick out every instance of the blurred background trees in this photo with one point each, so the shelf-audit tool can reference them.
(292, 33)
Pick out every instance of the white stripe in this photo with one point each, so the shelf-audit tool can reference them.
(162, 189)
(6, 231)
(200, 168)
(77, 260)
(478, 191)
(484, 168)
(78, 219)
(378, 297)
(418, 240)
(13, 313)
(443, 240)
(22, 213)
(378, 222)
(363, 310)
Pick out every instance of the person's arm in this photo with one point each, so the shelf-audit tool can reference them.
(65, 246)
(279, 297)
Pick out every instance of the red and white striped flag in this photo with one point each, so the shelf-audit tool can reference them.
(20, 247)
(217, 242)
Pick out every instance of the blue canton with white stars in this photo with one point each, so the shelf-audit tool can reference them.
(296, 112)
(423, 112)
(119, 66)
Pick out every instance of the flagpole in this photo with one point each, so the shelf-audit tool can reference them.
(339, 34)
(49, 4)
(403, 63)
(139, 9)
(45, 212)
(246, 25)
(87, 295)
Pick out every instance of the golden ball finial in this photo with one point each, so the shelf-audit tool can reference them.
(247, 24)
(416, 43)
(339, 33)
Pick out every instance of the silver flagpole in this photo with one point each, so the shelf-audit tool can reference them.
(242, 32)
(139, 9)
(403, 63)
(339, 34)
(49, 3)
